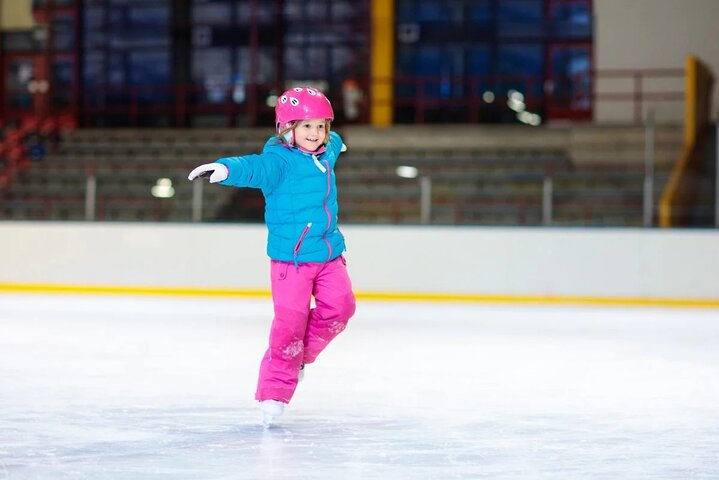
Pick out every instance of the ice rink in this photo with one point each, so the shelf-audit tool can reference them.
(121, 387)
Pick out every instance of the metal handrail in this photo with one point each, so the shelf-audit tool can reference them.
(178, 101)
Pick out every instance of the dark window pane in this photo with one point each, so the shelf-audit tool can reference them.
(479, 60)
(63, 35)
(19, 73)
(61, 80)
(521, 68)
(523, 59)
(265, 13)
(521, 11)
(425, 11)
(520, 18)
(62, 73)
(211, 71)
(117, 69)
(343, 10)
(428, 60)
(148, 68)
(94, 18)
(216, 13)
(94, 68)
(341, 62)
(480, 13)
(18, 42)
(304, 11)
(572, 20)
(571, 78)
(155, 17)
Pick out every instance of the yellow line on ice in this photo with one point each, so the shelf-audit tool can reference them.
(372, 296)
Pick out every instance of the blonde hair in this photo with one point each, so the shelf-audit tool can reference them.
(286, 130)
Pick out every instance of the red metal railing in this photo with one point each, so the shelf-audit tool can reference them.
(567, 97)
(18, 142)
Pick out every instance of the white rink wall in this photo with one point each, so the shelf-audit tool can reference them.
(410, 261)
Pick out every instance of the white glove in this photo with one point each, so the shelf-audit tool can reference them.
(216, 171)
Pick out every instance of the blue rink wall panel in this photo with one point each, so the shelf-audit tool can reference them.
(556, 265)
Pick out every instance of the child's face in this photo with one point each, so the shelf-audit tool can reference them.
(310, 134)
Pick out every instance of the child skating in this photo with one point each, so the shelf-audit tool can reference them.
(295, 172)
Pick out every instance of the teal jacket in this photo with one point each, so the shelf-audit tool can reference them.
(300, 198)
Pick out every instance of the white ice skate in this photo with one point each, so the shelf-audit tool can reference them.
(271, 409)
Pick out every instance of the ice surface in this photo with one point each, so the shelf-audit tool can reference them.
(162, 388)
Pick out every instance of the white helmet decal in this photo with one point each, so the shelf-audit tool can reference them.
(300, 103)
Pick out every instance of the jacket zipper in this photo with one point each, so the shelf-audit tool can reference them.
(298, 245)
(327, 210)
(324, 167)
(318, 164)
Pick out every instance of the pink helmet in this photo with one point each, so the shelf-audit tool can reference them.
(301, 103)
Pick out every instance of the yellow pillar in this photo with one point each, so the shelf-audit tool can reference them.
(16, 15)
(691, 94)
(699, 84)
(381, 62)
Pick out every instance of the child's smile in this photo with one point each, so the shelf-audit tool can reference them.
(310, 134)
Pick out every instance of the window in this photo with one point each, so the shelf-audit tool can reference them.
(63, 36)
(214, 13)
(127, 42)
(478, 51)
(521, 68)
(572, 19)
(520, 18)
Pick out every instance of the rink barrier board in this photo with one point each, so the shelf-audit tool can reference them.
(372, 296)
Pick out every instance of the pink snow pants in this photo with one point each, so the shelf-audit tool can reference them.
(299, 333)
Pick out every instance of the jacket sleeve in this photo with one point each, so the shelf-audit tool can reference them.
(263, 171)
(335, 144)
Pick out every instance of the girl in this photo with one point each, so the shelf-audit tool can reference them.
(295, 172)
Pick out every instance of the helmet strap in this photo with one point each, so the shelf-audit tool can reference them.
(288, 137)
(319, 151)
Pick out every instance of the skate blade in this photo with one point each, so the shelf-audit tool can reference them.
(268, 421)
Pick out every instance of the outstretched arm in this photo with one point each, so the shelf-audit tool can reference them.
(263, 171)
